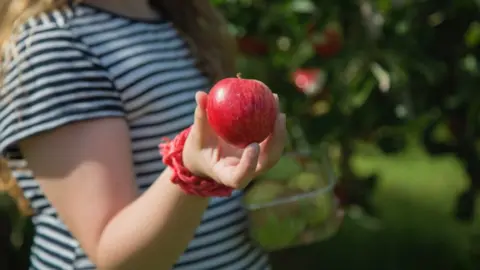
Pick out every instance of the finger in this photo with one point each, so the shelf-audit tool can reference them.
(276, 99)
(244, 171)
(272, 148)
(200, 120)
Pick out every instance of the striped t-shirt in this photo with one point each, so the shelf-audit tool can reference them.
(84, 63)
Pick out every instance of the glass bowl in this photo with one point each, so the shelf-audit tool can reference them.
(294, 203)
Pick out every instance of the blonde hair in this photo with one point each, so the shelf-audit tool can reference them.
(200, 24)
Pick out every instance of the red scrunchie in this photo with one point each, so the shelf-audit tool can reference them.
(172, 151)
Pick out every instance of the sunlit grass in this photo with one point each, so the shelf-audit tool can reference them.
(415, 201)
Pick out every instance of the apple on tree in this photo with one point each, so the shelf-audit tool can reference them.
(328, 42)
(310, 81)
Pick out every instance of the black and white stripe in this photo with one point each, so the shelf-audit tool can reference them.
(84, 63)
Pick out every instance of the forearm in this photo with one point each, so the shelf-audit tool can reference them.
(153, 231)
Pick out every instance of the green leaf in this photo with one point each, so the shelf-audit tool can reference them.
(359, 98)
(472, 36)
(303, 6)
(302, 54)
(384, 6)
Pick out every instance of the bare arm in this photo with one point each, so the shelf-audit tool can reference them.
(85, 170)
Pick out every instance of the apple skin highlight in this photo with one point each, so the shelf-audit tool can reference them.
(241, 111)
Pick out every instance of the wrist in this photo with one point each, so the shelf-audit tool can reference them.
(172, 152)
(179, 192)
(189, 161)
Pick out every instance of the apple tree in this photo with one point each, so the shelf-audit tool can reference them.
(376, 71)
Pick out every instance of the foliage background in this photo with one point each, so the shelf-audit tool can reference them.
(399, 106)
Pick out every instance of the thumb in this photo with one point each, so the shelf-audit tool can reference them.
(244, 171)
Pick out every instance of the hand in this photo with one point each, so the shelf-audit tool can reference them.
(207, 155)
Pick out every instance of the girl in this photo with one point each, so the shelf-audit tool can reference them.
(89, 89)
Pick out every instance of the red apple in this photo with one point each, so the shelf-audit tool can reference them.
(241, 111)
(328, 42)
(309, 81)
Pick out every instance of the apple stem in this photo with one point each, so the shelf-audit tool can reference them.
(239, 75)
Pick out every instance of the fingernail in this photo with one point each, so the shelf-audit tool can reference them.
(255, 147)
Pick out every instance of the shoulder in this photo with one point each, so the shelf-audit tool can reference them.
(50, 78)
(57, 22)
(48, 32)
(44, 32)
(45, 43)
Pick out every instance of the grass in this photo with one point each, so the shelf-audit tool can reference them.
(415, 200)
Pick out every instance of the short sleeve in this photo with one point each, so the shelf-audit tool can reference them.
(51, 81)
